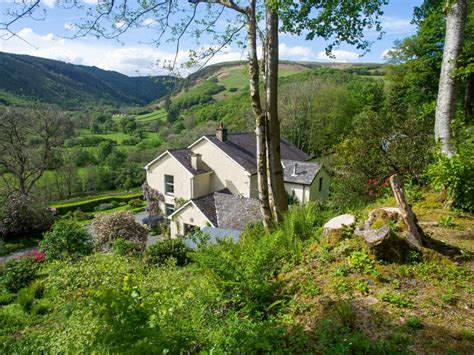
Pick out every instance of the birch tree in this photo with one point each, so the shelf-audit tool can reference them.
(456, 12)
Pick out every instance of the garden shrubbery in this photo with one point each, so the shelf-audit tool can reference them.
(24, 215)
(67, 239)
(19, 273)
(164, 250)
(118, 225)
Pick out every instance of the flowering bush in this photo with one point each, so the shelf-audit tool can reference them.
(153, 199)
(66, 239)
(23, 214)
(118, 225)
(37, 255)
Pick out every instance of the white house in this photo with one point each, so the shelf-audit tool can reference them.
(213, 182)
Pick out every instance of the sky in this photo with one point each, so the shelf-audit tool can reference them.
(49, 36)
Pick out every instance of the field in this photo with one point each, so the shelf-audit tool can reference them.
(238, 77)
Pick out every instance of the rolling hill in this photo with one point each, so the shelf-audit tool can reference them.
(30, 78)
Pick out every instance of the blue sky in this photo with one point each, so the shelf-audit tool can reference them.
(134, 55)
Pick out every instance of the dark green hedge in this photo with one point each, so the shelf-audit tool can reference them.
(89, 205)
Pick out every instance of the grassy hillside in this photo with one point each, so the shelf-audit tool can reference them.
(291, 291)
(68, 85)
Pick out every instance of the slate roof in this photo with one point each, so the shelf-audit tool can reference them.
(183, 155)
(235, 212)
(227, 211)
(242, 147)
(305, 171)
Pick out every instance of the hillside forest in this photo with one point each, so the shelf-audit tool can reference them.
(73, 144)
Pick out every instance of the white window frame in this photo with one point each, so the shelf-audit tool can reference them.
(168, 184)
(169, 209)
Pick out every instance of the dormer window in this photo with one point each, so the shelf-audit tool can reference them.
(169, 185)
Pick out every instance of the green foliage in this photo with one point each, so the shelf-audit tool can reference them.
(89, 205)
(455, 176)
(414, 322)
(346, 313)
(359, 261)
(162, 251)
(19, 273)
(396, 299)
(446, 221)
(67, 239)
(123, 247)
(198, 95)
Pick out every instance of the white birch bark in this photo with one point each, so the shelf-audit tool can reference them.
(446, 102)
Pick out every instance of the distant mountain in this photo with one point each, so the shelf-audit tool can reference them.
(56, 82)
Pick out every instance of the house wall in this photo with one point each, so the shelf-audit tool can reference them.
(227, 173)
(189, 215)
(301, 192)
(202, 185)
(167, 165)
(315, 194)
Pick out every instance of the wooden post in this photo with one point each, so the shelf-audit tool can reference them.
(407, 213)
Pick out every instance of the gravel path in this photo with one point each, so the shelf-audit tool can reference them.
(17, 254)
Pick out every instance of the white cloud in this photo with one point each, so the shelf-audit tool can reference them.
(340, 56)
(396, 25)
(49, 3)
(298, 52)
(91, 2)
(130, 60)
(387, 54)
(148, 22)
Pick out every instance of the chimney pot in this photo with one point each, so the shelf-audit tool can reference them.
(295, 168)
(221, 132)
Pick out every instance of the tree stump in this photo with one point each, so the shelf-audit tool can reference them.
(415, 235)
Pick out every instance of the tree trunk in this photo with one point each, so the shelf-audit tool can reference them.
(446, 102)
(407, 213)
(260, 119)
(273, 133)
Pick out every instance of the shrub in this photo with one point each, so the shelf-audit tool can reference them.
(82, 216)
(89, 205)
(19, 273)
(135, 203)
(67, 239)
(160, 252)
(455, 176)
(23, 214)
(123, 247)
(118, 225)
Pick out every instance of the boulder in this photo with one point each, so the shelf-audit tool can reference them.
(334, 228)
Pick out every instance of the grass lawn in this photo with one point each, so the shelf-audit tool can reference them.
(119, 137)
(153, 116)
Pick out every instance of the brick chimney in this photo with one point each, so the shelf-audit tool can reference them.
(221, 132)
(196, 161)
